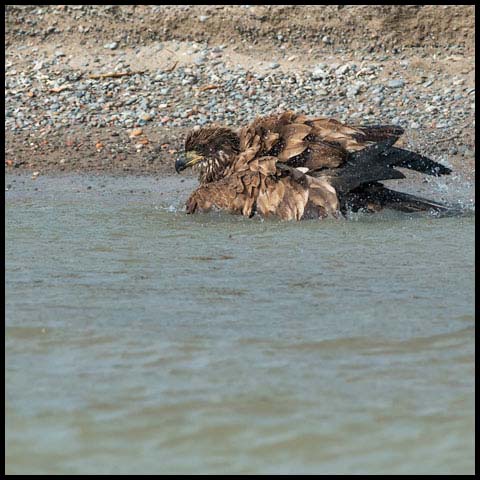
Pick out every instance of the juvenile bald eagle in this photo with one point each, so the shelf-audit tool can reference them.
(294, 167)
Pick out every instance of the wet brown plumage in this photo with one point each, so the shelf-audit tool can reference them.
(294, 167)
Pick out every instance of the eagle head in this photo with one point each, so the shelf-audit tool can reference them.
(212, 150)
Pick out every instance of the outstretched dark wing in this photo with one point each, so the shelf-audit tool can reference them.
(376, 162)
(325, 143)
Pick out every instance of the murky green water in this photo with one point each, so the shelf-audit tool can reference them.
(143, 340)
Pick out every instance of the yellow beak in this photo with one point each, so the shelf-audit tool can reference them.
(190, 159)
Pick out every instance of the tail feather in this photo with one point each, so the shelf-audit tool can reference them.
(410, 203)
(403, 158)
(376, 196)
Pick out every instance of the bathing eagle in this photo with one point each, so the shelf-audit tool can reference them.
(296, 167)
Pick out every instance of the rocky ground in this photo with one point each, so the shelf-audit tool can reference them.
(115, 88)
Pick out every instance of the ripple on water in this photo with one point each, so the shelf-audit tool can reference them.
(143, 340)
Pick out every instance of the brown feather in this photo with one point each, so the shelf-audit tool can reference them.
(292, 149)
(324, 155)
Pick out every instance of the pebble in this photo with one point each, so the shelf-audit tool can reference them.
(396, 83)
(111, 46)
(136, 132)
(319, 74)
(353, 90)
(453, 150)
(145, 117)
(342, 70)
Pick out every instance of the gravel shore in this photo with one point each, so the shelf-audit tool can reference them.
(115, 88)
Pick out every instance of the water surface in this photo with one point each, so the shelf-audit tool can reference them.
(143, 340)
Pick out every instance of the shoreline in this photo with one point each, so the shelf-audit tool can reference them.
(412, 66)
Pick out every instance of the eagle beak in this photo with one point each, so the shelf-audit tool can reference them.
(190, 159)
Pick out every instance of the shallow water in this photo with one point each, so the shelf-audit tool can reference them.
(143, 340)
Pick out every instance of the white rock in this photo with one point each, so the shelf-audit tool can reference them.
(319, 74)
(111, 46)
(342, 69)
